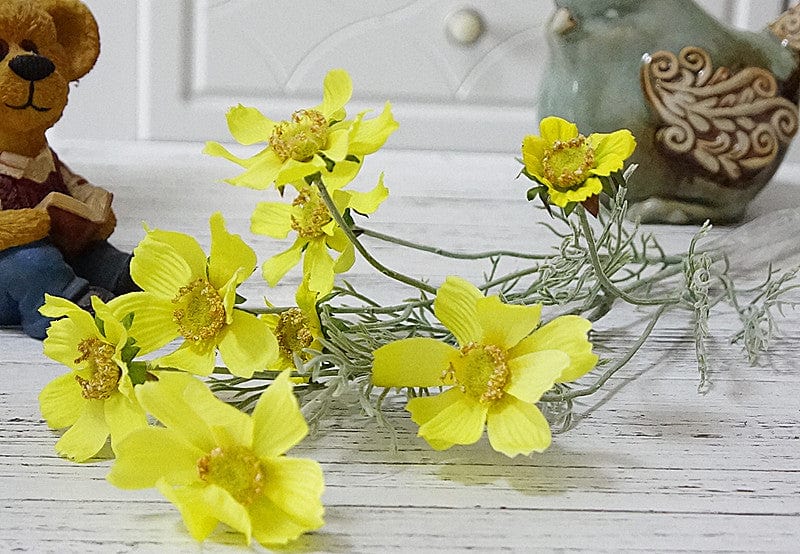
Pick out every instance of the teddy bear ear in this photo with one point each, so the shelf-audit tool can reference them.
(76, 31)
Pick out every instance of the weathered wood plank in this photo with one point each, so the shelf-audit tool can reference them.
(651, 465)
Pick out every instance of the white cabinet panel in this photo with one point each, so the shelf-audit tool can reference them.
(275, 56)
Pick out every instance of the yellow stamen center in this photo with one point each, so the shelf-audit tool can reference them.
(302, 137)
(310, 214)
(104, 371)
(200, 312)
(237, 470)
(293, 333)
(481, 372)
(567, 163)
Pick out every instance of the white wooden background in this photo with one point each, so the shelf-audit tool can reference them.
(652, 466)
(169, 69)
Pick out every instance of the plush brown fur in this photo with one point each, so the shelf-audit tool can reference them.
(65, 32)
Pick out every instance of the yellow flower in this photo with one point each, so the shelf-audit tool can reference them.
(96, 398)
(569, 164)
(217, 464)
(314, 140)
(186, 294)
(296, 329)
(499, 370)
(316, 231)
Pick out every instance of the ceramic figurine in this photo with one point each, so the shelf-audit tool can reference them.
(713, 109)
(53, 224)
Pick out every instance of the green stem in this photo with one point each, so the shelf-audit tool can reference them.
(448, 253)
(277, 310)
(348, 231)
(600, 272)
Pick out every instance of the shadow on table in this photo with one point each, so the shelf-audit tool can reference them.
(782, 193)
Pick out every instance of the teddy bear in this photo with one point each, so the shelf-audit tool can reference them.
(53, 223)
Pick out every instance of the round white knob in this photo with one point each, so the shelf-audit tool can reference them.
(465, 26)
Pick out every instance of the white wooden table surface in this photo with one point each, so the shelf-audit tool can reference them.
(650, 466)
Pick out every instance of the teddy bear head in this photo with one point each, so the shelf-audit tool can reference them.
(44, 45)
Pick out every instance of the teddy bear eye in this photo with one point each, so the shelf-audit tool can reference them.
(3, 49)
(29, 46)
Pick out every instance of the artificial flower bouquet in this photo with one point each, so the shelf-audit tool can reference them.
(507, 356)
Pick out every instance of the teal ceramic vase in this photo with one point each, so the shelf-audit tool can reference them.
(713, 109)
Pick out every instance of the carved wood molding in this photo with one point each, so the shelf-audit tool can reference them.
(731, 124)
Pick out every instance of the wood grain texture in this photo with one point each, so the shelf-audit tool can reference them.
(651, 465)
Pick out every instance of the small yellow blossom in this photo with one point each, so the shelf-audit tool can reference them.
(316, 140)
(296, 329)
(316, 233)
(96, 398)
(217, 464)
(190, 295)
(570, 164)
(499, 370)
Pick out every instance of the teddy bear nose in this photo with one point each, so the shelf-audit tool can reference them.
(32, 67)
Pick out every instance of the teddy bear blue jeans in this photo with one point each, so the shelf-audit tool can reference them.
(28, 272)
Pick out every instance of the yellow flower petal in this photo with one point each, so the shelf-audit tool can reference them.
(113, 330)
(428, 407)
(365, 202)
(61, 401)
(587, 189)
(221, 505)
(218, 151)
(318, 267)
(459, 421)
(185, 245)
(55, 306)
(271, 526)
(533, 149)
(346, 260)
(336, 92)
(198, 520)
(413, 362)
(455, 307)
(343, 173)
(515, 427)
(248, 125)
(338, 146)
(272, 219)
(367, 136)
(278, 423)
(247, 345)
(64, 335)
(161, 268)
(198, 358)
(87, 435)
(554, 129)
(165, 399)
(122, 417)
(568, 334)
(153, 325)
(260, 173)
(534, 374)
(153, 453)
(425, 408)
(229, 253)
(611, 150)
(279, 265)
(504, 325)
(293, 171)
(295, 486)
(228, 426)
